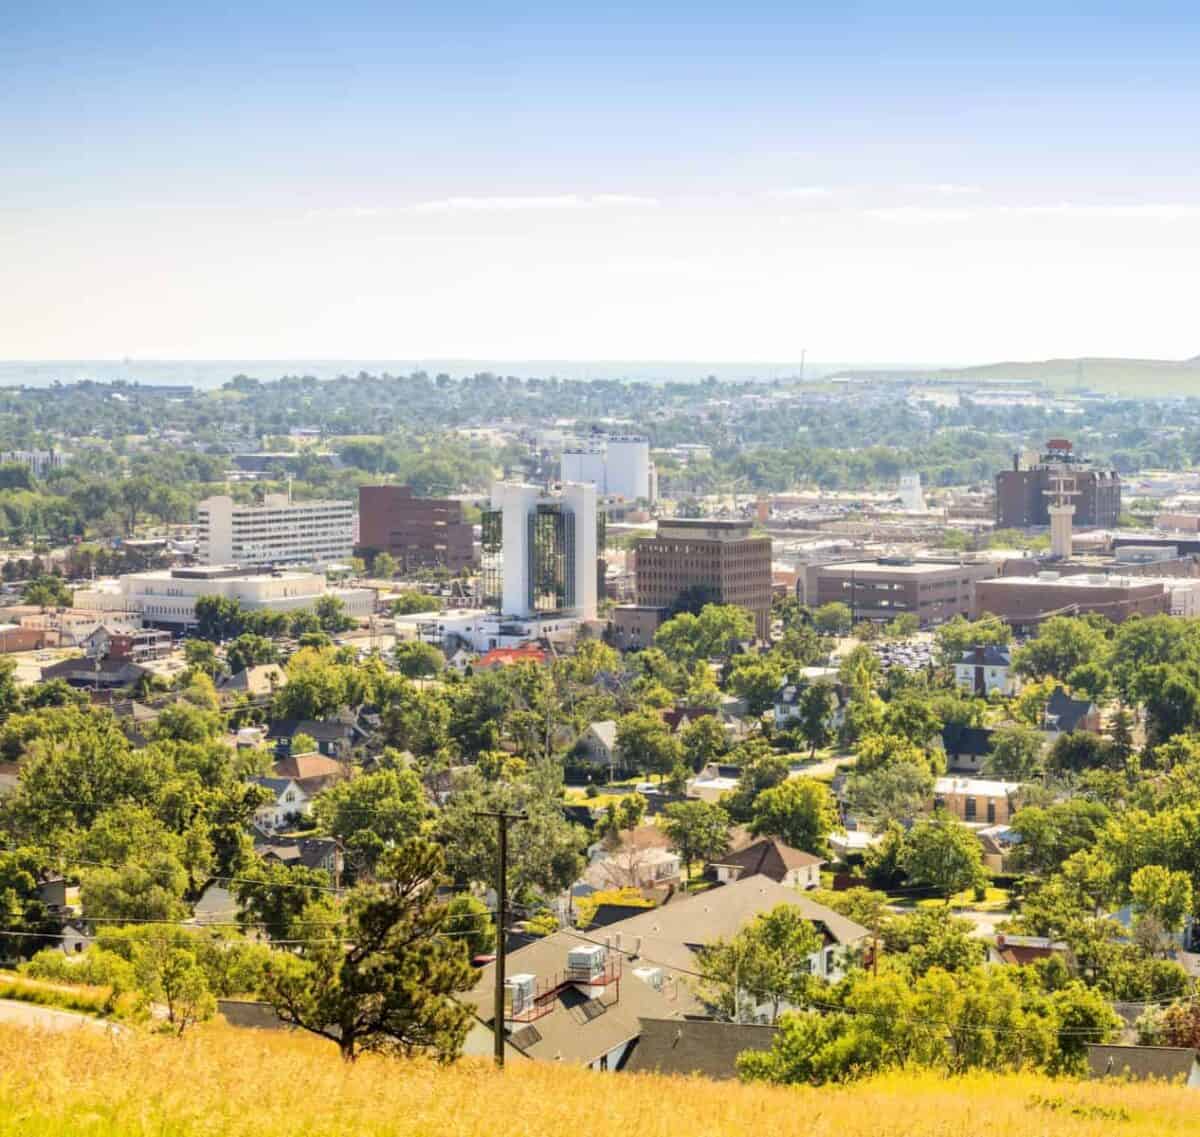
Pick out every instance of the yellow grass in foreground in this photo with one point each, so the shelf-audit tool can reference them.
(223, 1082)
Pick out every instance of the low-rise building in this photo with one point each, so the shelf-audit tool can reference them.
(977, 800)
(1024, 602)
(634, 625)
(932, 589)
(773, 859)
(1065, 714)
(983, 670)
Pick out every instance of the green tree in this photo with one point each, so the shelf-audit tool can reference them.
(371, 812)
(469, 919)
(383, 565)
(699, 830)
(943, 854)
(200, 655)
(416, 660)
(1062, 644)
(715, 632)
(408, 601)
(1016, 752)
(833, 619)
(766, 964)
(894, 792)
(47, 591)
(383, 977)
(272, 896)
(1163, 894)
(331, 612)
(704, 740)
(800, 812)
(171, 976)
(250, 650)
(646, 743)
(816, 705)
(757, 680)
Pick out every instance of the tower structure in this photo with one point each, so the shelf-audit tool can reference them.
(1062, 489)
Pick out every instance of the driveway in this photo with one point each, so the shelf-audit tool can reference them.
(47, 1018)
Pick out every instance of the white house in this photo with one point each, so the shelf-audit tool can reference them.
(289, 801)
(982, 670)
(788, 699)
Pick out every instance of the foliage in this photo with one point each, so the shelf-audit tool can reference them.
(943, 854)
(372, 812)
(699, 830)
(417, 660)
(686, 638)
(800, 812)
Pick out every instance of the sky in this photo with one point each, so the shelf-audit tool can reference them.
(921, 181)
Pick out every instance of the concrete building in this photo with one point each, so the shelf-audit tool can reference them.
(1025, 601)
(167, 597)
(278, 532)
(977, 799)
(542, 551)
(37, 461)
(617, 465)
(418, 532)
(1024, 494)
(706, 561)
(634, 625)
(934, 590)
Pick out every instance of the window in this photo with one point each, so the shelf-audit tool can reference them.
(969, 811)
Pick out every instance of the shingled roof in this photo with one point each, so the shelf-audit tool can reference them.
(770, 857)
(1166, 1063)
(695, 1046)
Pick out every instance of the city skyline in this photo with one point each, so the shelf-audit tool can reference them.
(855, 180)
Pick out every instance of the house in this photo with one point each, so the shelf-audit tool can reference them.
(977, 799)
(335, 738)
(680, 718)
(632, 866)
(288, 802)
(789, 697)
(695, 1046)
(852, 843)
(1065, 714)
(1144, 1063)
(309, 852)
(510, 657)
(773, 859)
(260, 681)
(672, 935)
(311, 772)
(1020, 950)
(571, 1000)
(597, 746)
(998, 843)
(109, 672)
(714, 782)
(983, 670)
(967, 747)
(461, 661)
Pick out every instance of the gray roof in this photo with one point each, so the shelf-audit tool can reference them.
(577, 1030)
(695, 1046)
(606, 731)
(1168, 1063)
(993, 656)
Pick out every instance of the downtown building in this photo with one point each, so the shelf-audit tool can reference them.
(419, 532)
(689, 563)
(617, 465)
(277, 532)
(1025, 495)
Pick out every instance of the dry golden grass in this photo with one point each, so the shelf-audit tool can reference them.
(221, 1082)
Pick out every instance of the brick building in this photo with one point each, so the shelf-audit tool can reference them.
(1023, 495)
(706, 561)
(1025, 601)
(934, 590)
(420, 532)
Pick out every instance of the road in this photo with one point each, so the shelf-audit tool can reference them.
(47, 1018)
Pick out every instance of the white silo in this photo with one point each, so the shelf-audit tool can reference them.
(627, 467)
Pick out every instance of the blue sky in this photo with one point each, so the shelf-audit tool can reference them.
(921, 180)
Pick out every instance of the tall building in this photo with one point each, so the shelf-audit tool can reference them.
(616, 464)
(706, 561)
(541, 550)
(1025, 495)
(278, 532)
(420, 532)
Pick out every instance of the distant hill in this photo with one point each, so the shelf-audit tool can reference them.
(1096, 373)
(220, 1082)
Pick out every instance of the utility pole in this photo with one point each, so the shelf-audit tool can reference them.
(502, 819)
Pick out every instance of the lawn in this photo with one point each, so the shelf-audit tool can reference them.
(994, 900)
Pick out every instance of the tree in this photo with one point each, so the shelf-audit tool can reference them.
(200, 655)
(468, 918)
(383, 566)
(883, 862)
(331, 612)
(833, 619)
(1016, 752)
(959, 635)
(417, 660)
(408, 601)
(250, 650)
(699, 830)
(1163, 894)
(757, 680)
(704, 740)
(646, 743)
(47, 591)
(170, 975)
(1050, 834)
(272, 896)
(767, 963)
(1062, 644)
(929, 938)
(816, 705)
(895, 792)
(944, 854)
(800, 812)
(383, 977)
(371, 812)
(718, 628)
(218, 618)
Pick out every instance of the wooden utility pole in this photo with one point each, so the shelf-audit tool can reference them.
(502, 820)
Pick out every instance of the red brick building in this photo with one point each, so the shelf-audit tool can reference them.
(420, 532)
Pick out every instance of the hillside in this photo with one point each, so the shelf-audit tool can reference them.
(1139, 377)
(224, 1083)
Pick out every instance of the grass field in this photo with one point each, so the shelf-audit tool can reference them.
(224, 1083)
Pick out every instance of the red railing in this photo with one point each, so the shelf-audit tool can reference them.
(546, 991)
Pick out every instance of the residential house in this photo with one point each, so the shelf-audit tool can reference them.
(309, 852)
(335, 737)
(695, 1046)
(967, 747)
(979, 800)
(639, 858)
(598, 747)
(788, 699)
(1145, 1063)
(998, 843)
(983, 670)
(288, 802)
(770, 858)
(311, 772)
(1017, 951)
(713, 782)
(1065, 714)
(574, 1001)
(259, 681)
(510, 657)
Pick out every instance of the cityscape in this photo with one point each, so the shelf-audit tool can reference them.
(442, 688)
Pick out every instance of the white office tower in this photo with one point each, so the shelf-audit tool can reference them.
(547, 550)
(583, 460)
(617, 465)
(912, 497)
(627, 467)
(278, 532)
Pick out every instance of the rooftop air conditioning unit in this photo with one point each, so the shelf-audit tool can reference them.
(586, 963)
(518, 994)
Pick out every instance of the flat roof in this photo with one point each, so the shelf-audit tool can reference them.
(907, 568)
(1081, 580)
